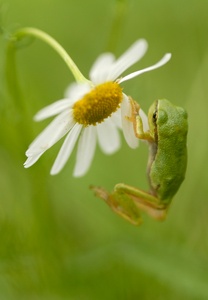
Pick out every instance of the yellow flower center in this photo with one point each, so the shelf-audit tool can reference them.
(98, 104)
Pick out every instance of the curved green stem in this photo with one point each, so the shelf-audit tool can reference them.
(29, 31)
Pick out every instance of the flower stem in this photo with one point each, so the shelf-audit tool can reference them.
(29, 31)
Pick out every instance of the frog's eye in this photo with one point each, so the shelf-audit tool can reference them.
(154, 117)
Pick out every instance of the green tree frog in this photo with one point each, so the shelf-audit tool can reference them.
(166, 168)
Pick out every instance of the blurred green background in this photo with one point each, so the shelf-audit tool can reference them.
(58, 241)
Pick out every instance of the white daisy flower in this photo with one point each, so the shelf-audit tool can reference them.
(93, 111)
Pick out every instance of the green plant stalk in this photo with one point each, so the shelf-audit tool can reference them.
(29, 31)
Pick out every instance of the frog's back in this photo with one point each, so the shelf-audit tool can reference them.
(169, 167)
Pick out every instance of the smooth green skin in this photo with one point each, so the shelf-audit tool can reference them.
(166, 169)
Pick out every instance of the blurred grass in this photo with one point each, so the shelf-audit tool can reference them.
(57, 240)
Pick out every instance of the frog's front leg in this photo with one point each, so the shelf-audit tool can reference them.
(138, 125)
(128, 202)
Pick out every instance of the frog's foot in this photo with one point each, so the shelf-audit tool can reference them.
(121, 204)
(135, 107)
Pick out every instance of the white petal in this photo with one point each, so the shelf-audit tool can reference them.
(116, 118)
(66, 149)
(51, 134)
(159, 64)
(76, 91)
(32, 159)
(108, 137)
(53, 109)
(100, 68)
(128, 129)
(73, 93)
(130, 57)
(85, 151)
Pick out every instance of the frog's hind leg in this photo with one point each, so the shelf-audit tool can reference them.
(144, 201)
(129, 202)
(121, 204)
